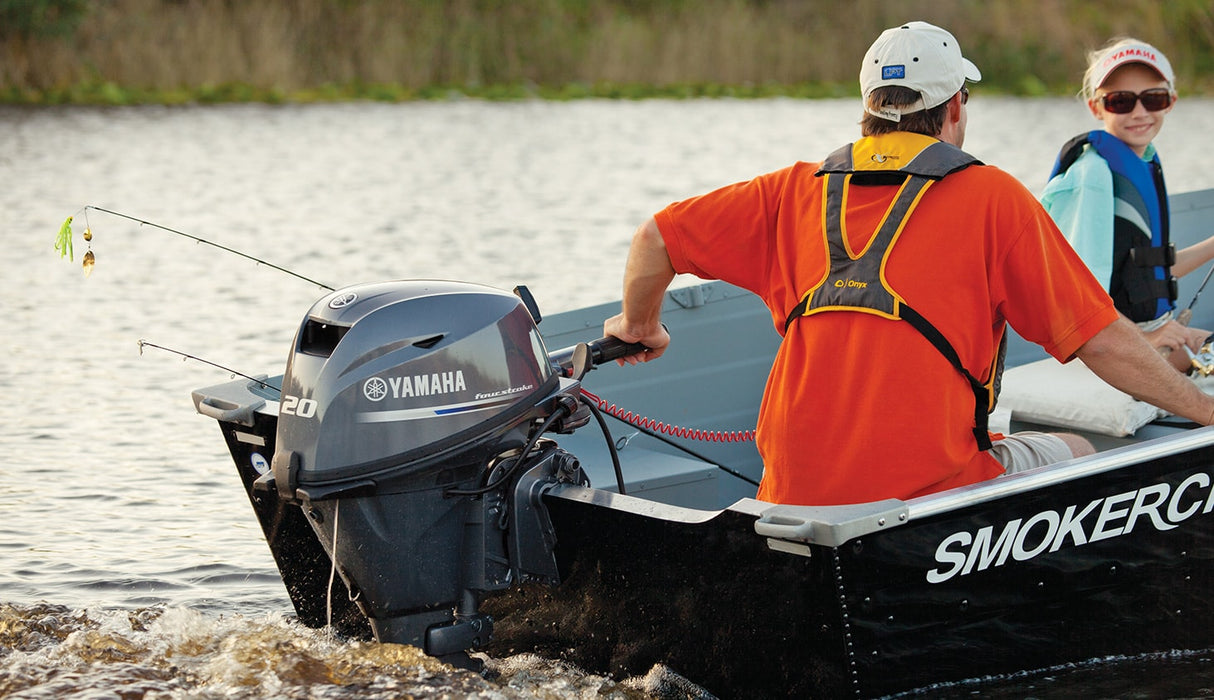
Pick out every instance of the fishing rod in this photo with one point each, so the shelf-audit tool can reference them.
(652, 428)
(1186, 314)
(1203, 360)
(187, 356)
(64, 243)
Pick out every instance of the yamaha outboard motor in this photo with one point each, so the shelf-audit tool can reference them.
(409, 432)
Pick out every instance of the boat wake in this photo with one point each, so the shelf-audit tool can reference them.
(51, 651)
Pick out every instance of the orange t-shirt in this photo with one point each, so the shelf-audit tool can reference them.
(858, 407)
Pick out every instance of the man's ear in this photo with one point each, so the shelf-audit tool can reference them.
(954, 108)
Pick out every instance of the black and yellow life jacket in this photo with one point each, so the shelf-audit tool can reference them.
(858, 284)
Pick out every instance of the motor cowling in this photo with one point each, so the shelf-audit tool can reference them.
(400, 403)
(398, 372)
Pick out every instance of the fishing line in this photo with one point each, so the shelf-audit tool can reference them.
(1186, 314)
(332, 570)
(64, 243)
(186, 356)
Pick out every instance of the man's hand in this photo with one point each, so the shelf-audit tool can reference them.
(1172, 338)
(1175, 337)
(655, 339)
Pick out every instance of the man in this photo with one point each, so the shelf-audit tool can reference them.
(891, 269)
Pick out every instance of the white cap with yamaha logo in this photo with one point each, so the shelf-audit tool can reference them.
(1121, 53)
(919, 56)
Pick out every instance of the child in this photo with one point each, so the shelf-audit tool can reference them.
(1107, 194)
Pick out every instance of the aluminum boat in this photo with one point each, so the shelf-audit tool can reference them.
(428, 471)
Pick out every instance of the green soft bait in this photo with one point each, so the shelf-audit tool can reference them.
(63, 244)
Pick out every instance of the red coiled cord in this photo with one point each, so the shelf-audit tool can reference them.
(673, 430)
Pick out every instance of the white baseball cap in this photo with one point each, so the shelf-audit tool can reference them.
(919, 56)
(1122, 53)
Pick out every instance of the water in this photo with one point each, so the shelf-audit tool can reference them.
(131, 563)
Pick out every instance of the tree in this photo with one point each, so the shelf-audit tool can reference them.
(40, 18)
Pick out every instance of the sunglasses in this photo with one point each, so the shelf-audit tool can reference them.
(965, 94)
(1124, 101)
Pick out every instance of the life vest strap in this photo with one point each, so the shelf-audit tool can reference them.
(1138, 289)
(982, 394)
(1150, 256)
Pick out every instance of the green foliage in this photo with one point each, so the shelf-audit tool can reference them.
(176, 51)
(27, 19)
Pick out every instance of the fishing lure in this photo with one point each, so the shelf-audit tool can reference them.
(63, 244)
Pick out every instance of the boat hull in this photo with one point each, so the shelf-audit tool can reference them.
(708, 599)
(1114, 562)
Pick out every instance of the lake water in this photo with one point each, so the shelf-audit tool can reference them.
(130, 562)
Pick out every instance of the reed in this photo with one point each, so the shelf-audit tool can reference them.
(175, 50)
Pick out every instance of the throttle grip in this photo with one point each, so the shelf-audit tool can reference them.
(611, 348)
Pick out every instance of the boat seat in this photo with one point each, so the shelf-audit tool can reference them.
(1052, 397)
(1071, 396)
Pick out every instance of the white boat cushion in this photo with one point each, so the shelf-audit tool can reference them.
(1071, 396)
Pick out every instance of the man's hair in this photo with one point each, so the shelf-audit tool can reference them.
(929, 122)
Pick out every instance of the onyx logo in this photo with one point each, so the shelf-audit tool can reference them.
(343, 300)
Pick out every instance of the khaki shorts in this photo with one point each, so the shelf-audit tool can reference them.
(1029, 449)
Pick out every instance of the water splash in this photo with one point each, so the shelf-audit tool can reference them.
(49, 651)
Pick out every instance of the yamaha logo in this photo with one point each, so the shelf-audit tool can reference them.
(414, 386)
(375, 389)
(342, 300)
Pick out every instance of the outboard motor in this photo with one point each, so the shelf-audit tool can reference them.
(409, 431)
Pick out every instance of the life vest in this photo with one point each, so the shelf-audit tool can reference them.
(858, 284)
(1142, 286)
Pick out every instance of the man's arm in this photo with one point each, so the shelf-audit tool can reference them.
(646, 276)
(1121, 356)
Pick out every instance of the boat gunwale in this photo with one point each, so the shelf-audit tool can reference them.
(1109, 460)
(835, 525)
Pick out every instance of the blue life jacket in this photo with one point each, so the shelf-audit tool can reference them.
(1142, 286)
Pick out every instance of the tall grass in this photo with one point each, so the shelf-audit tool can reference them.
(397, 49)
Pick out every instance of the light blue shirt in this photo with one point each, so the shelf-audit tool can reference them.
(1081, 203)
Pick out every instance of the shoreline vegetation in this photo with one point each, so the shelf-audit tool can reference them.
(117, 52)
